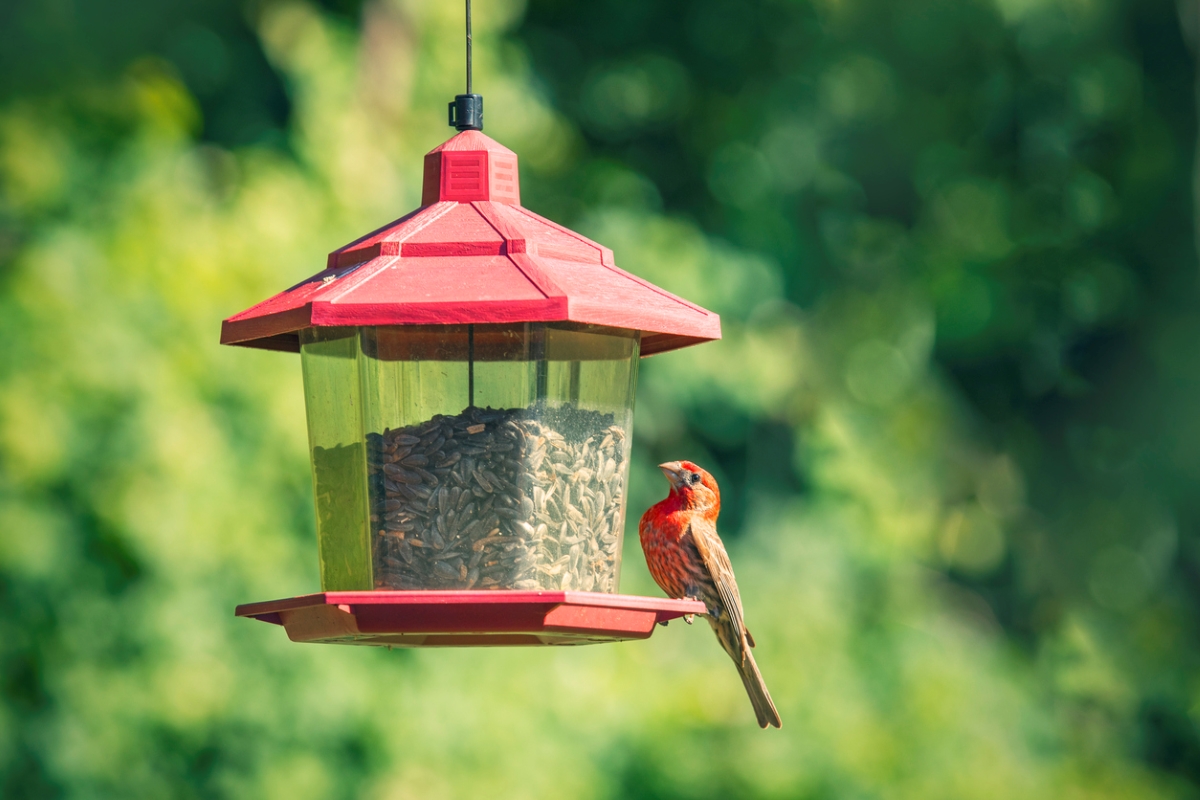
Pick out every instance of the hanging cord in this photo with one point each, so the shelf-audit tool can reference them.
(466, 112)
(470, 366)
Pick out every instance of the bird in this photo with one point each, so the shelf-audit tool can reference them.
(687, 560)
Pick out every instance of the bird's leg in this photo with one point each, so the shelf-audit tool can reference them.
(693, 593)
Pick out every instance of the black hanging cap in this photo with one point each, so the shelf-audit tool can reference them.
(466, 112)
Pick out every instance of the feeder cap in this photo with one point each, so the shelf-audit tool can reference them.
(471, 254)
(466, 112)
(470, 166)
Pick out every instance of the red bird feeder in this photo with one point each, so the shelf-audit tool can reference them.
(469, 377)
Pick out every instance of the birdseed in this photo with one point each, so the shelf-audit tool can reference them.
(499, 499)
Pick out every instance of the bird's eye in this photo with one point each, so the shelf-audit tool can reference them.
(695, 477)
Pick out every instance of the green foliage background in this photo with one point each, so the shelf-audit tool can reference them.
(954, 414)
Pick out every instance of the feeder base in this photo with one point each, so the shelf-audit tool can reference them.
(468, 618)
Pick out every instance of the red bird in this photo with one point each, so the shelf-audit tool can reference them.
(687, 559)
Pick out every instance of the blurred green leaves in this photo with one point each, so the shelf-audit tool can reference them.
(953, 414)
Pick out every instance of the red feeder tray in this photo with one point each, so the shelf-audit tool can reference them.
(468, 618)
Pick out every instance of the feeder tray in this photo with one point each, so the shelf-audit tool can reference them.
(468, 618)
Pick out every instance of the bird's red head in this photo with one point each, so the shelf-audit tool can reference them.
(693, 487)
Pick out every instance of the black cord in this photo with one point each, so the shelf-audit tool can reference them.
(466, 112)
(470, 366)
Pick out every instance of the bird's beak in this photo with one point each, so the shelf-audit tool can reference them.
(674, 472)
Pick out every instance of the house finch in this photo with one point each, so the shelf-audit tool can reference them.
(687, 559)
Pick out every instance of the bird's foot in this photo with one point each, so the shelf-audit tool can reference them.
(688, 618)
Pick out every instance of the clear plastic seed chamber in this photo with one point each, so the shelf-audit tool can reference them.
(470, 456)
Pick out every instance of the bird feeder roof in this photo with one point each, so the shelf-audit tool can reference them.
(471, 254)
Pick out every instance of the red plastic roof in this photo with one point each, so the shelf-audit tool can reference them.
(472, 254)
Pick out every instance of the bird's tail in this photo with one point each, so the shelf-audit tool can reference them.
(756, 687)
(737, 645)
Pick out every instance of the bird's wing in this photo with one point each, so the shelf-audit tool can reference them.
(716, 561)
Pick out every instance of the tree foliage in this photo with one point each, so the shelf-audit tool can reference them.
(953, 414)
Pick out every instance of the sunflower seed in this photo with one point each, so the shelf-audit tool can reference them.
(497, 499)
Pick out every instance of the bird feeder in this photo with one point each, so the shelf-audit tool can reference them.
(469, 378)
